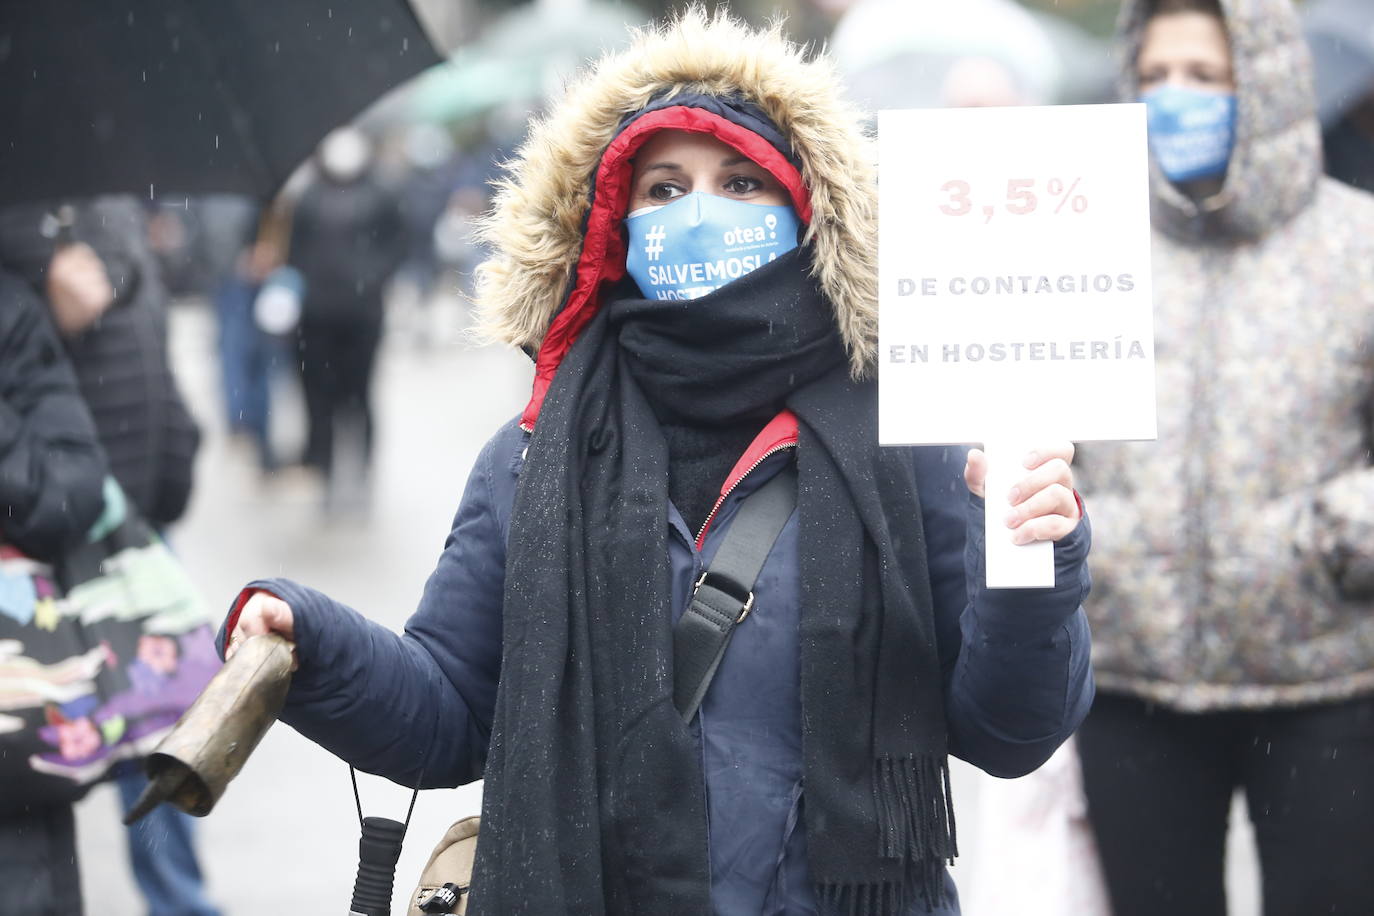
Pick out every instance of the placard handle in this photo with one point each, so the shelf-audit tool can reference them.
(1010, 565)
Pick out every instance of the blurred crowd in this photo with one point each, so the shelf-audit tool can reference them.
(299, 287)
(385, 210)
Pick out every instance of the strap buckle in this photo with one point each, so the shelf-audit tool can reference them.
(748, 604)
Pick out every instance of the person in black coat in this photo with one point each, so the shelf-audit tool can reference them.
(347, 239)
(51, 466)
(92, 264)
(51, 476)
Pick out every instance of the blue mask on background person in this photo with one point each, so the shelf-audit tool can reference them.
(700, 242)
(1191, 131)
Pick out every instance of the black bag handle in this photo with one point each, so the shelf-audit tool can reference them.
(724, 595)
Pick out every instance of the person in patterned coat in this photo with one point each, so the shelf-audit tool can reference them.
(1233, 611)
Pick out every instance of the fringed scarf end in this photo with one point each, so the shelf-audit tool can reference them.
(916, 828)
(925, 880)
(875, 899)
(915, 809)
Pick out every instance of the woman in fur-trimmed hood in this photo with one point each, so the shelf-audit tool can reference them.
(1233, 617)
(686, 248)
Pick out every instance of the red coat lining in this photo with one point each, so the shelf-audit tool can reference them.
(780, 432)
(233, 619)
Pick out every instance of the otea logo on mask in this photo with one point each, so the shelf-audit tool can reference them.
(743, 236)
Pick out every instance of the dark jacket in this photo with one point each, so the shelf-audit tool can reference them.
(1015, 666)
(121, 361)
(51, 467)
(347, 239)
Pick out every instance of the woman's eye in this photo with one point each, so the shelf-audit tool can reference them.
(743, 184)
(665, 191)
(1153, 73)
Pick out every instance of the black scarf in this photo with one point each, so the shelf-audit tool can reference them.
(594, 799)
(716, 370)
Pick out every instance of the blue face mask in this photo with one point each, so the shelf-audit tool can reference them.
(700, 242)
(1191, 131)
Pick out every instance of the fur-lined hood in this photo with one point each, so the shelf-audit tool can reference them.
(554, 251)
(1277, 157)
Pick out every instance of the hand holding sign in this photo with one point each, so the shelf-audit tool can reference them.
(1042, 500)
(1029, 504)
(1014, 300)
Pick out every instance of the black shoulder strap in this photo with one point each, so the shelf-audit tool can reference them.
(724, 595)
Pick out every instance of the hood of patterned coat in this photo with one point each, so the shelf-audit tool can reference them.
(1277, 157)
(555, 227)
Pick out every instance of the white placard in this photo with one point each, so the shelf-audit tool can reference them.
(1014, 277)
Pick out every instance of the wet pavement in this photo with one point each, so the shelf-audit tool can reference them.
(284, 837)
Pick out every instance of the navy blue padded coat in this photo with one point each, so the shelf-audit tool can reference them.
(1015, 665)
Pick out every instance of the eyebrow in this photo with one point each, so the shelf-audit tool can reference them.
(675, 167)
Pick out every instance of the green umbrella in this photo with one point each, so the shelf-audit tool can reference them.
(522, 57)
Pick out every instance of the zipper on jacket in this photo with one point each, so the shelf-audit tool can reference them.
(706, 525)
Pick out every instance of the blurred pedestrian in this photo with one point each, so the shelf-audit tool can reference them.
(238, 258)
(1340, 34)
(687, 246)
(927, 54)
(51, 475)
(1233, 612)
(92, 262)
(433, 171)
(1349, 145)
(456, 245)
(347, 239)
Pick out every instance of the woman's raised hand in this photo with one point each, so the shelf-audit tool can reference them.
(1044, 507)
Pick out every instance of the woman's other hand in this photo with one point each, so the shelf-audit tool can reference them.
(1044, 507)
(263, 613)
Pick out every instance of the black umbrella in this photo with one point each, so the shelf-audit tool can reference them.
(1341, 36)
(161, 96)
